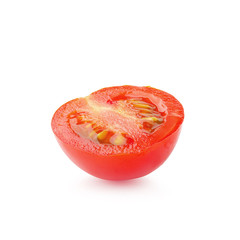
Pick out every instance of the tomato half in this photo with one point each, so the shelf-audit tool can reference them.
(119, 133)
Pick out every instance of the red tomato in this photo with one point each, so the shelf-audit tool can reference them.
(119, 133)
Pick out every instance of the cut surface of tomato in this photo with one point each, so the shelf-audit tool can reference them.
(119, 132)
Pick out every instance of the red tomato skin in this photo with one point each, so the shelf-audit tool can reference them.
(124, 166)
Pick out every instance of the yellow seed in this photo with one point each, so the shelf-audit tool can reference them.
(102, 135)
(153, 119)
(142, 106)
(119, 140)
(136, 101)
(91, 135)
(89, 125)
(145, 111)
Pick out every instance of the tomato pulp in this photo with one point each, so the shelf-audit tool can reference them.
(119, 133)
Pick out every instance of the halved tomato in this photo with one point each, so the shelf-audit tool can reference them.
(120, 132)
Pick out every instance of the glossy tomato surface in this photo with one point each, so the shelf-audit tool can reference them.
(119, 133)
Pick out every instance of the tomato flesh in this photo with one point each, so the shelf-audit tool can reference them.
(117, 133)
(117, 122)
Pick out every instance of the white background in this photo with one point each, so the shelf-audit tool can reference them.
(54, 51)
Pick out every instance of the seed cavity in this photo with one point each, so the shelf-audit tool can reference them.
(150, 117)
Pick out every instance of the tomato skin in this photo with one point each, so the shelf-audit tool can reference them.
(128, 163)
(122, 167)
